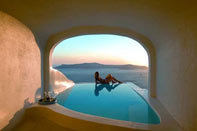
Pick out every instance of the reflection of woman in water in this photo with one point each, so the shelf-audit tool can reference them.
(109, 78)
(100, 87)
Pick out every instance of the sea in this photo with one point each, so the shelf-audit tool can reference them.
(137, 76)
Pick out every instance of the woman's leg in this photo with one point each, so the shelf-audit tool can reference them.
(108, 78)
(112, 79)
(115, 80)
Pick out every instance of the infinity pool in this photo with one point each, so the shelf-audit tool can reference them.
(117, 101)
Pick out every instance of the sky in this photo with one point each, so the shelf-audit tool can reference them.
(102, 48)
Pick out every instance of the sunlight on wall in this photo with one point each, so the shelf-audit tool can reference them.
(102, 48)
(59, 82)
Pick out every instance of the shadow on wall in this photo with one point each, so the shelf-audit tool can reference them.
(17, 116)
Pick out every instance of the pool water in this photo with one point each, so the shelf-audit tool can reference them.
(118, 101)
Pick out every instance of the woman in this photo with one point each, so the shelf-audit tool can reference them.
(107, 80)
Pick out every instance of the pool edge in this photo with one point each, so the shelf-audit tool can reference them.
(166, 120)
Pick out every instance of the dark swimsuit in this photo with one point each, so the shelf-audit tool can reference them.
(102, 81)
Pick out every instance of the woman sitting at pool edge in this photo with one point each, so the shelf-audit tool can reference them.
(109, 78)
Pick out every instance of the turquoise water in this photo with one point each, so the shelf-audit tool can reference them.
(117, 101)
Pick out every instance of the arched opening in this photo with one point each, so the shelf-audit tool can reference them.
(79, 57)
(56, 39)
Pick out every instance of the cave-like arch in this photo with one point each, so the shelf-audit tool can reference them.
(85, 30)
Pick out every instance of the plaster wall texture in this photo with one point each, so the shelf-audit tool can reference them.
(175, 41)
(177, 71)
(170, 25)
(19, 68)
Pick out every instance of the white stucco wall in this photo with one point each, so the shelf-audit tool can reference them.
(19, 68)
(172, 29)
(58, 82)
(177, 72)
(176, 83)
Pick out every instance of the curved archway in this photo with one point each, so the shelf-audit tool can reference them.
(85, 30)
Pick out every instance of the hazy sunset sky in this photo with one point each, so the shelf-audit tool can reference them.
(102, 48)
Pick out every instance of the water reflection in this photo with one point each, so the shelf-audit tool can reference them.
(109, 87)
(118, 101)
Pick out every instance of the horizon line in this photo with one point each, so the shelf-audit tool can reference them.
(97, 63)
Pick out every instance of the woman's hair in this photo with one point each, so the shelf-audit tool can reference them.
(96, 75)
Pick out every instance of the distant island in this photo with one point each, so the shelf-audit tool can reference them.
(99, 66)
